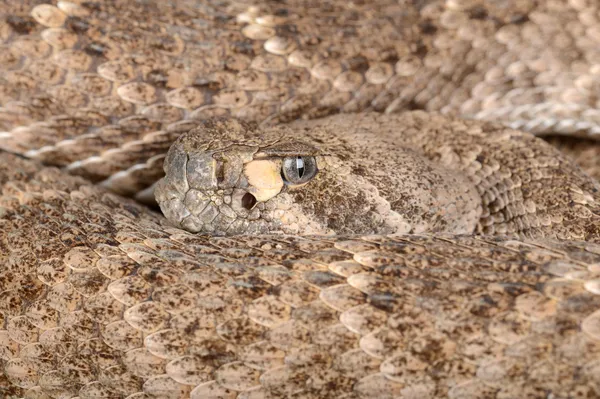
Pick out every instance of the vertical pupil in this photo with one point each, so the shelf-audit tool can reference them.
(300, 166)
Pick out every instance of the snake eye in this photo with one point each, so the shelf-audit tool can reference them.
(298, 170)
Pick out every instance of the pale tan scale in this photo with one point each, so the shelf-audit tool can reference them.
(31, 48)
(283, 380)
(165, 387)
(271, 20)
(18, 372)
(253, 80)
(231, 98)
(36, 392)
(63, 297)
(88, 283)
(52, 271)
(129, 290)
(42, 316)
(163, 112)
(60, 38)
(357, 364)
(297, 293)
(263, 356)
(137, 395)
(509, 328)
(349, 81)
(21, 79)
(240, 330)
(341, 297)
(94, 389)
(326, 70)
(185, 97)
(300, 59)
(92, 84)
(493, 372)
(238, 62)
(137, 93)
(69, 96)
(122, 336)
(8, 347)
(166, 344)
(236, 376)
(116, 71)
(280, 45)
(212, 389)
(115, 266)
(140, 362)
(379, 73)
(175, 298)
(189, 370)
(347, 268)
(593, 286)
(258, 32)
(269, 63)
(103, 308)
(54, 383)
(81, 258)
(591, 325)
(147, 317)
(21, 330)
(48, 15)
(9, 57)
(269, 312)
(560, 289)
(74, 60)
(378, 385)
(381, 343)
(38, 356)
(335, 99)
(209, 111)
(72, 9)
(362, 319)
(47, 72)
(374, 258)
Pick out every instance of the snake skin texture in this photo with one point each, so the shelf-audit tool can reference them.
(103, 88)
(522, 185)
(101, 297)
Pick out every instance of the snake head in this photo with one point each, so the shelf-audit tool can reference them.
(231, 177)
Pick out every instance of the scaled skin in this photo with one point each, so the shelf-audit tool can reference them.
(357, 189)
(110, 300)
(416, 172)
(100, 298)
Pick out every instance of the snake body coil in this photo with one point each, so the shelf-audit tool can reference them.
(384, 253)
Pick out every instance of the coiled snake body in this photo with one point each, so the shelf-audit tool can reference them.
(337, 247)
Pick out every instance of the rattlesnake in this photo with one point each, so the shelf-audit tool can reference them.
(412, 255)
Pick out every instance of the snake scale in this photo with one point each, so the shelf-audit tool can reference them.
(401, 238)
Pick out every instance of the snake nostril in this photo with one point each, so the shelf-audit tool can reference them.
(248, 201)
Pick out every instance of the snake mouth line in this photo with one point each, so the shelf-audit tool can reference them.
(249, 201)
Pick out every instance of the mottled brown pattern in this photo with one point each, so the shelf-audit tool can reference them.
(100, 297)
(103, 87)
